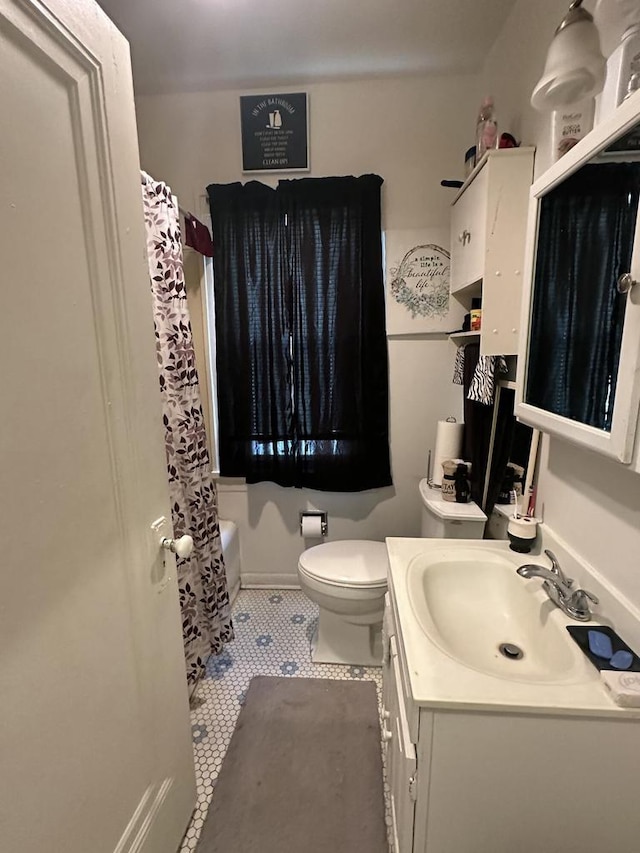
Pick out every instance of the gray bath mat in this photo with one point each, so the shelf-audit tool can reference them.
(303, 772)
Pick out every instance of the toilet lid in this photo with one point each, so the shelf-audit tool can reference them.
(449, 510)
(350, 562)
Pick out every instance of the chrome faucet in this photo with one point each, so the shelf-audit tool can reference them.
(574, 602)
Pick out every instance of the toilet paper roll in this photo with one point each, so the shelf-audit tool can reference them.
(312, 526)
(448, 446)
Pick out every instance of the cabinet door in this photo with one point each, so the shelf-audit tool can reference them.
(402, 763)
(507, 205)
(468, 233)
(579, 368)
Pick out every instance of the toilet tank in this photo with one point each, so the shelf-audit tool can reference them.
(448, 520)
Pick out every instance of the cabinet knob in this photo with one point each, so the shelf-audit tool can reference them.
(495, 331)
(626, 282)
(386, 735)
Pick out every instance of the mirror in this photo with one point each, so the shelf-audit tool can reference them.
(509, 451)
(578, 372)
(585, 243)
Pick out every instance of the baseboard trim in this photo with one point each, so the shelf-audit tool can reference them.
(268, 580)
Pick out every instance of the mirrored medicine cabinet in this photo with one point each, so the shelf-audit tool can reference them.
(579, 360)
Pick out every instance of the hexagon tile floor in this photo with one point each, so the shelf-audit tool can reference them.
(273, 631)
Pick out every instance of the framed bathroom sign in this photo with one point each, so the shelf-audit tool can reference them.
(275, 132)
(417, 269)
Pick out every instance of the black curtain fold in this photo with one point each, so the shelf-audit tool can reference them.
(253, 307)
(585, 237)
(326, 329)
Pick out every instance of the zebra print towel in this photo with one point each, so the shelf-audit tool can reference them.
(483, 383)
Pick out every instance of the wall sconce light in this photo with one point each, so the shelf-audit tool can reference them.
(575, 67)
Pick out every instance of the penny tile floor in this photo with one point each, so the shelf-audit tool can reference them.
(273, 632)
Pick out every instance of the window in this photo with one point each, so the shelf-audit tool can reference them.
(300, 335)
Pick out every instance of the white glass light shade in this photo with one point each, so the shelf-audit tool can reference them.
(613, 18)
(575, 68)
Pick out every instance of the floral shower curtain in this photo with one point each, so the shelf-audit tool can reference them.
(204, 598)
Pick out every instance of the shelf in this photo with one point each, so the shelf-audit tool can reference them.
(467, 292)
(461, 338)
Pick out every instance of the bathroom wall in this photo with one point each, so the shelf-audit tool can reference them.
(590, 501)
(413, 132)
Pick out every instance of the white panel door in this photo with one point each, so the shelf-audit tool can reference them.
(95, 744)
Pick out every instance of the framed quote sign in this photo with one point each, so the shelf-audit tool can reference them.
(274, 132)
(417, 283)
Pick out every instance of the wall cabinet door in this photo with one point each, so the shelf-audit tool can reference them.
(579, 366)
(468, 234)
(488, 230)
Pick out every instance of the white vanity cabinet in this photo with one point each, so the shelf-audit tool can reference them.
(470, 780)
(488, 228)
(400, 748)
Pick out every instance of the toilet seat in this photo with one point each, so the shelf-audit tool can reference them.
(349, 563)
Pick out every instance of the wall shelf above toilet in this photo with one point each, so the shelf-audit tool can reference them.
(462, 338)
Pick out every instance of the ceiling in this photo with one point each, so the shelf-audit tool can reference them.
(193, 45)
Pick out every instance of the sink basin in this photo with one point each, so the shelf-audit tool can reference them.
(471, 602)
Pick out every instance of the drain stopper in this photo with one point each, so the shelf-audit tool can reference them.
(511, 651)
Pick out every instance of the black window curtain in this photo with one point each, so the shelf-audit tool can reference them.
(300, 324)
(586, 233)
(252, 304)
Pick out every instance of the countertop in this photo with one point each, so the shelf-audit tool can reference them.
(437, 680)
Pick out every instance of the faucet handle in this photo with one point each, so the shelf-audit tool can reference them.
(578, 604)
(555, 568)
(582, 594)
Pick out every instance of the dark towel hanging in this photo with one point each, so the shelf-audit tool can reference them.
(197, 236)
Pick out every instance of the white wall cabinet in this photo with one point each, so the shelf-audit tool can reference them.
(594, 394)
(488, 229)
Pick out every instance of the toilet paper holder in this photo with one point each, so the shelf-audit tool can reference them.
(324, 527)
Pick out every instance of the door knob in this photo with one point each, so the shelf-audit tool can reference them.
(626, 282)
(182, 546)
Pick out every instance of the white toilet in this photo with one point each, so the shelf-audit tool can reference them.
(347, 579)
